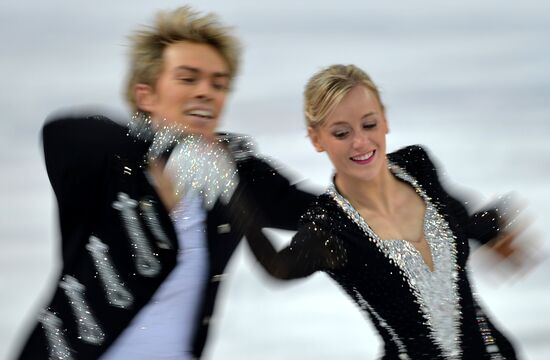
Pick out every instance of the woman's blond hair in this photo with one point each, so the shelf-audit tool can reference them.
(181, 24)
(326, 88)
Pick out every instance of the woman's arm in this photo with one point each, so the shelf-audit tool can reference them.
(311, 249)
(485, 225)
(281, 202)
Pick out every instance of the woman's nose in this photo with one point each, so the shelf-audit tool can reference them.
(360, 140)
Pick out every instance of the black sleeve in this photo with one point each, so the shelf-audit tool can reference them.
(311, 249)
(75, 151)
(482, 225)
(73, 154)
(280, 202)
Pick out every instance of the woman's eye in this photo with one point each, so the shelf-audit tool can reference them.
(369, 125)
(340, 134)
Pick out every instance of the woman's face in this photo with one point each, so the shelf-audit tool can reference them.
(191, 89)
(354, 136)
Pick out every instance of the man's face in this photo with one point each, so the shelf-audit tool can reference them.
(190, 90)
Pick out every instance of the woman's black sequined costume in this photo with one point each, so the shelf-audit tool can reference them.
(418, 313)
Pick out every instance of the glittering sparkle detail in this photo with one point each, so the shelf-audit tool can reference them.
(57, 345)
(151, 217)
(433, 289)
(146, 262)
(196, 164)
(436, 293)
(88, 328)
(487, 335)
(116, 292)
(166, 138)
(140, 127)
(507, 210)
(365, 306)
(241, 147)
(203, 167)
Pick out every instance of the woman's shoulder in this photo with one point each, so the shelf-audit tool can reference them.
(416, 160)
(410, 154)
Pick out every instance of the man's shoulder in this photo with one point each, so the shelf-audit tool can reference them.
(87, 132)
(241, 146)
(83, 122)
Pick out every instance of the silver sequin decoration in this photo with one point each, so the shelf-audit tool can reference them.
(146, 262)
(241, 147)
(53, 328)
(436, 293)
(196, 164)
(140, 127)
(206, 168)
(117, 294)
(88, 328)
(435, 289)
(151, 217)
(486, 334)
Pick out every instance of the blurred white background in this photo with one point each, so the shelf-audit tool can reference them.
(469, 79)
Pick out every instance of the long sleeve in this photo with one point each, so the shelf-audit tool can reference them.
(481, 226)
(280, 202)
(75, 153)
(72, 165)
(311, 249)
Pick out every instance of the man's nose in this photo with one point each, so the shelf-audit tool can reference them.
(204, 89)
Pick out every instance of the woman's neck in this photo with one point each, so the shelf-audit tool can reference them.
(375, 195)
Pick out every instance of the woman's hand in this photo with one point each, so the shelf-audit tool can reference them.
(515, 249)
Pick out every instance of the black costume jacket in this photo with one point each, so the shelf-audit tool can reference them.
(118, 241)
(334, 238)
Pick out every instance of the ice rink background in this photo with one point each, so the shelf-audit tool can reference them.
(469, 79)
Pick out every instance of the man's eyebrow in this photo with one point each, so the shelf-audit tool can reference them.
(188, 68)
(197, 71)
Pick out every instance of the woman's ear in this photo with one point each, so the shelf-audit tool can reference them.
(314, 138)
(386, 124)
(145, 97)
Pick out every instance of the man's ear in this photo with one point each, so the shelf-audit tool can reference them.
(314, 138)
(145, 97)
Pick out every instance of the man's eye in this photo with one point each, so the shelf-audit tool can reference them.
(219, 86)
(187, 80)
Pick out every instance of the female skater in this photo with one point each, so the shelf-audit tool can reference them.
(388, 232)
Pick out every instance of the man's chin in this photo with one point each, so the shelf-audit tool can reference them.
(203, 128)
(204, 131)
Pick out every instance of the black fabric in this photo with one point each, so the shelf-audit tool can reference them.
(90, 160)
(328, 240)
